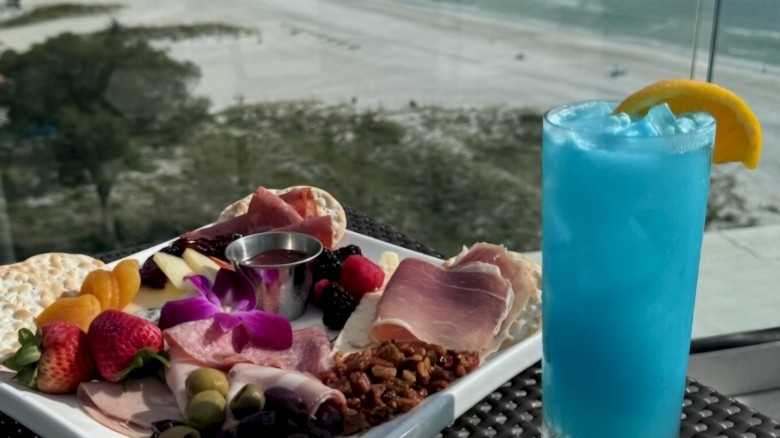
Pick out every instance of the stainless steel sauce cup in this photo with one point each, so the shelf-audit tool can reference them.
(280, 288)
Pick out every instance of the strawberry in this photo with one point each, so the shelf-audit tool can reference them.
(122, 343)
(359, 275)
(53, 360)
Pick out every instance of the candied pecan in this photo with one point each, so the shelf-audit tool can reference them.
(460, 371)
(423, 369)
(438, 385)
(390, 352)
(384, 372)
(354, 421)
(406, 404)
(375, 360)
(408, 376)
(359, 382)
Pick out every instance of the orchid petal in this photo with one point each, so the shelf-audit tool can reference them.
(240, 338)
(189, 309)
(233, 289)
(203, 285)
(227, 321)
(267, 330)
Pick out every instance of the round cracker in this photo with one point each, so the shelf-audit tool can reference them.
(13, 318)
(236, 209)
(25, 289)
(63, 272)
(327, 205)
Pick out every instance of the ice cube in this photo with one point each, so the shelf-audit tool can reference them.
(662, 119)
(685, 124)
(641, 128)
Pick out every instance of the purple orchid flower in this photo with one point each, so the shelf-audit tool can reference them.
(231, 303)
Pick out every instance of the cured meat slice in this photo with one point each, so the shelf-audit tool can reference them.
(310, 389)
(301, 199)
(130, 409)
(320, 227)
(268, 211)
(204, 342)
(459, 309)
(522, 272)
(176, 376)
(238, 224)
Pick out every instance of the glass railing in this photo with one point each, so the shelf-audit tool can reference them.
(123, 126)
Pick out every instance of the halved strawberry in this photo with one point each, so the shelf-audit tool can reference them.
(53, 360)
(122, 343)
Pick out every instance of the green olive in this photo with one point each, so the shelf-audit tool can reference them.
(205, 379)
(248, 401)
(204, 409)
(179, 432)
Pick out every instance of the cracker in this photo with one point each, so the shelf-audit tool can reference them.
(13, 318)
(23, 288)
(63, 272)
(236, 209)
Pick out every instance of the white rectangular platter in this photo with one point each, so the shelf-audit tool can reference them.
(53, 416)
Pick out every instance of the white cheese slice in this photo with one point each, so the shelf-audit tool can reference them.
(201, 264)
(356, 334)
(175, 268)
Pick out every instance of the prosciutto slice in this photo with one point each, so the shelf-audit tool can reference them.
(131, 410)
(461, 309)
(208, 345)
(310, 389)
(320, 227)
(522, 272)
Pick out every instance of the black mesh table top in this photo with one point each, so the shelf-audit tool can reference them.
(514, 409)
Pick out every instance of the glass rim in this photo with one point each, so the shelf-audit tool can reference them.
(699, 131)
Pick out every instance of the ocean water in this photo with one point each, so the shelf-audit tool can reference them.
(748, 29)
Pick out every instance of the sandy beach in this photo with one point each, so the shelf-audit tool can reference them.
(378, 53)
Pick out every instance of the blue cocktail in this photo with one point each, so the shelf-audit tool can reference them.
(624, 203)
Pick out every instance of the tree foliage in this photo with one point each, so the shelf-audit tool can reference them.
(95, 101)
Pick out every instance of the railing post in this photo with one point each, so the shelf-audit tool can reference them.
(713, 39)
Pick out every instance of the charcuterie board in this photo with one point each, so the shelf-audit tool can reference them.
(60, 416)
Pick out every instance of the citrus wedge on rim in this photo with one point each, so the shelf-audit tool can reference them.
(737, 132)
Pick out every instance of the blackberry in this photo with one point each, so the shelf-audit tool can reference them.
(347, 251)
(337, 305)
(327, 265)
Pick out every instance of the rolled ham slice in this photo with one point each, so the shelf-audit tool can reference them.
(461, 309)
(129, 411)
(310, 389)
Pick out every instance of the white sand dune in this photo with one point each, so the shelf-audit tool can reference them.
(389, 54)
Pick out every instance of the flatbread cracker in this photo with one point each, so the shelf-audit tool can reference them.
(63, 272)
(20, 287)
(13, 318)
(327, 205)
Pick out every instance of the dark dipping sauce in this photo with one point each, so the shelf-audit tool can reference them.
(275, 257)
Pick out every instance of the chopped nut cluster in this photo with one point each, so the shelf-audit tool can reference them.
(393, 378)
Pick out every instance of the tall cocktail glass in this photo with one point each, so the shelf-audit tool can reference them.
(623, 216)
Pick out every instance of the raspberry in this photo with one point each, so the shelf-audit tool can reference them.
(360, 275)
(319, 287)
(327, 265)
(337, 305)
(347, 251)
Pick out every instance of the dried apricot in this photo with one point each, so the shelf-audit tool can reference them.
(129, 280)
(104, 286)
(80, 311)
